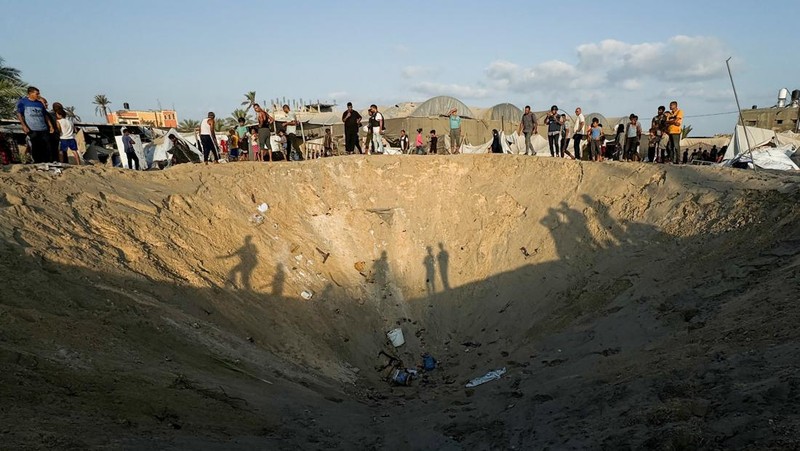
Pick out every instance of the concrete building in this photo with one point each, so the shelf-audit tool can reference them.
(780, 118)
(153, 118)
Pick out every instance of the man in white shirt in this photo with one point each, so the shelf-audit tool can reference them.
(580, 127)
(376, 122)
(291, 131)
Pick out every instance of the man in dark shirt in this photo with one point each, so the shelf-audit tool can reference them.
(352, 121)
(130, 150)
(37, 124)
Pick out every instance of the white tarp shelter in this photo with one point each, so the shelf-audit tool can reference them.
(160, 151)
(768, 157)
(513, 144)
(756, 137)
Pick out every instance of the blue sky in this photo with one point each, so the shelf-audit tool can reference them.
(611, 57)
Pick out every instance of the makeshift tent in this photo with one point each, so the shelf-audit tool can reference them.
(512, 143)
(703, 142)
(160, 151)
(503, 111)
(768, 157)
(756, 137)
(441, 105)
(788, 138)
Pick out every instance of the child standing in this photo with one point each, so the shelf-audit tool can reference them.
(255, 151)
(434, 140)
(420, 143)
(233, 144)
(596, 141)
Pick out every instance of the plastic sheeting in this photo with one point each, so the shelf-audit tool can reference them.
(756, 137)
(160, 150)
(441, 105)
(776, 158)
(513, 143)
(503, 111)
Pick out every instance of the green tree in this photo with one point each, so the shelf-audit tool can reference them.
(188, 125)
(223, 124)
(70, 110)
(237, 113)
(250, 100)
(685, 130)
(101, 108)
(11, 89)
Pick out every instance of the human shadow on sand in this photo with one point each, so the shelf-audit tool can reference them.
(248, 260)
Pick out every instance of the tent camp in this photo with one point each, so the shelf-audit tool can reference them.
(769, 149)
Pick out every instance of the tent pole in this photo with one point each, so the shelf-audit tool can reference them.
(739, 108)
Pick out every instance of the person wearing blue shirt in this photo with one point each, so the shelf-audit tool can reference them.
(455, 130)
(37, 124)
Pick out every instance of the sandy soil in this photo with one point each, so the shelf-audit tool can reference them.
(634, 306)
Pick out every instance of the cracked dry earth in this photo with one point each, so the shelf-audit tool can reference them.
(633, 306)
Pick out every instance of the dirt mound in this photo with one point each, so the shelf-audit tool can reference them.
(632, 305)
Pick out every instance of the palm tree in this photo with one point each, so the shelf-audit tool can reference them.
(188, 125)
(102, 103)
(11, 88)
(237, 113)
(250, 100)
(70, 110)
(685, 130)
(223, 123)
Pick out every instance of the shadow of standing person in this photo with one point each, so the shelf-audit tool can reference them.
(443, 257)
(278, 280)
(430, 271)
(380, 269)
(248, 259)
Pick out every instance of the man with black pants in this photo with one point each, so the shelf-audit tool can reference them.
(130, 151)
(553, 131)
(208, 138)
(352, 122)
(578, 129)
(37, 124)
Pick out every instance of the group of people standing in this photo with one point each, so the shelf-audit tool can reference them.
(255, 141)
(664, 143)
(50, 135)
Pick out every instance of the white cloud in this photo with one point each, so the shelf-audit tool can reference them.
(337, 95)
(432, 89)
(418, 71)
(616, 64)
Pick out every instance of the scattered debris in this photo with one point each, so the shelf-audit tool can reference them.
(396, 337)
(525, 252)
(471, 344)
(54, 168)
(360, 267)
(307, 294)
(403, 376)
(428, 362)
(325, 255)
(256, 219)
(263, 208)
(488, 377)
